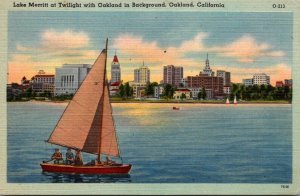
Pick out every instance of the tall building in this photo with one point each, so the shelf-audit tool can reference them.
(213, 85)
(173, 75)
(142, 74)
(115, 70)
(226, 77)
(69, 77)
(43, 82)
(207, 70)
(261, 78)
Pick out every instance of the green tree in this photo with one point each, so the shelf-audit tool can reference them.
(33, 94)
(199, 96)
(167, 90)
(47, 94)
(121, 91)
(290, 95)
(203, 93)
(28, 93)
(127, 91)
(182, 96)
(149, 90)
(286, 91)
(242, 91)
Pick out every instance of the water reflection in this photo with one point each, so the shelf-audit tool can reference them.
(86, 178)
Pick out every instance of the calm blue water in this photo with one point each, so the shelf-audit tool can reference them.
(197, 144)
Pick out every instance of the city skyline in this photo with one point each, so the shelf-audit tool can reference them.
(160, 39)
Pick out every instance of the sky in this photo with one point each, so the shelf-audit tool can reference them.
(241, 43)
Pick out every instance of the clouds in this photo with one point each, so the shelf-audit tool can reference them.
(194, 45)
(138, 49)
(246, 50)
(53, 49)
(68, 39)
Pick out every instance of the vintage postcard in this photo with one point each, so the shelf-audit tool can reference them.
(150, 97)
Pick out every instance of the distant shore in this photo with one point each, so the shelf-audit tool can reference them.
(203, 102)
(169, 101)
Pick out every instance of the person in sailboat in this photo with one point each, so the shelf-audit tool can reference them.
(78, 158)
(69, 157)
(57, 156)
(109, 161)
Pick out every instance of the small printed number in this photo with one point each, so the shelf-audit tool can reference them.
(285, 186)
(278, 5)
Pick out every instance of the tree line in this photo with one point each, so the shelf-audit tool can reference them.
(261, 92)
(242, 92)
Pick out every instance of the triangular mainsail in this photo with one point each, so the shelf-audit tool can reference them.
(88, 117)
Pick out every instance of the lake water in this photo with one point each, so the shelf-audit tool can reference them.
(200, 143)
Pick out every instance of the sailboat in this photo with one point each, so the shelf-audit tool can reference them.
(235, 101)
(227, 101)
(87, 125)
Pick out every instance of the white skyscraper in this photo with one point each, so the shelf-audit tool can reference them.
(142, 74)
(115, 70)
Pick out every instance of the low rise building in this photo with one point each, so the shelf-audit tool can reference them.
(43, 82)
(248, 82)
(195, 92)
(158, 91)
(114, 88)
(227, 90)
(69, 77)
(138, 89)
(179, 92)
(212, 85)
(288, 82)
(261, 78)
(279, 84)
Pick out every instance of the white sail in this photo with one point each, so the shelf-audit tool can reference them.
(87, 123)
(234, 101)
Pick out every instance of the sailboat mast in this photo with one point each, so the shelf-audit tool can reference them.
(101, 116)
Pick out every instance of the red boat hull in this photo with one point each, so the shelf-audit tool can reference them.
(100, 169)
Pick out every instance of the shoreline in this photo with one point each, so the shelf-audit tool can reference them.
(166, 102)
